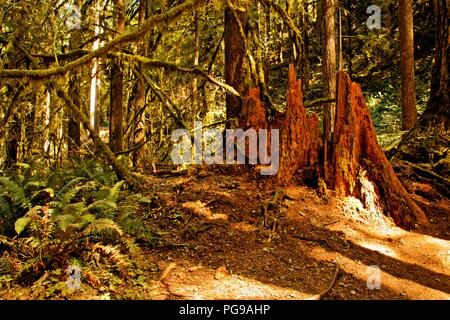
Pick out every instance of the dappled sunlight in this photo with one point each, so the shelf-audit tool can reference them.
(244, 227)
(199, 208)
(405, 288)
(381, 248)
(188, 280)
(415, 248)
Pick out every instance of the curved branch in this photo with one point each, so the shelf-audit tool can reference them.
(125, 38)
(173, 67)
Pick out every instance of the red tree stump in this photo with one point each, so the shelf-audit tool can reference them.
(300, 139)
(253, 113)
(357, 160)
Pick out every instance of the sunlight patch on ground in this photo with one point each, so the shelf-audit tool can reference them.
(379, 248)
(423, 250)
(354, 210)
(199, 208)
(244, 227)
(199, 283)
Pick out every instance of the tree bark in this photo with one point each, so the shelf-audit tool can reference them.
(116, 93)
(236, 61)
(139, 127)
(300, 137)
(424, 144)
(408, 87)
(73, 125)
(329, 71)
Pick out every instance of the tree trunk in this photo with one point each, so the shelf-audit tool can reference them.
(329, 71)
(95, 87)
(408, 87)
(73, 126)
(304, 67)
(440, 81)
(236, 61)
(116, 92)
(121, 171)
(358, 165)
(12, 141)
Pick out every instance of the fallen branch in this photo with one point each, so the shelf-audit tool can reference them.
(328, 289)
(121, 171)
(165, 100)
(317, 102)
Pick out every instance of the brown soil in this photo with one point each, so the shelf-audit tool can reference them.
(217, 247)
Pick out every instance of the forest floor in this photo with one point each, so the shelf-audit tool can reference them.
(228, 253)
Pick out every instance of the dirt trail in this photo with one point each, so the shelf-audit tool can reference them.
(225, 249)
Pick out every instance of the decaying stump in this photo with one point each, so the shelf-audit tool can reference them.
(300, 139)
(358, 163)
(253, 113)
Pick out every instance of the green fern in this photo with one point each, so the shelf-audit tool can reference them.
(15, 191)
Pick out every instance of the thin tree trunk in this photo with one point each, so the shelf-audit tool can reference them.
(121, 171)
(408, 87)
(305, 74)
(196, 61)
(139, 127)
(73, 126)
(329, 71)
(95, 79)
(116, 92)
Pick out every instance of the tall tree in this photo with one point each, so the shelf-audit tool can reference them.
(73, 125)
(116, 91)
(139, 102)
(408, 87)
(328, 68)
(440, 80)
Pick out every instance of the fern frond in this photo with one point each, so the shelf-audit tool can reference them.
(104, 207)
(101, 227)
(113, 253)
(15, 191)
(114, 192)
(75, 208)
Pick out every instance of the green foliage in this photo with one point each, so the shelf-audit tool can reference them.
(87, 220)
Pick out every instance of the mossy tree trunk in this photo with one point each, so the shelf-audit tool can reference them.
(116, 91)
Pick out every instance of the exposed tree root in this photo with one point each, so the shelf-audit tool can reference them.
(328, 289)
